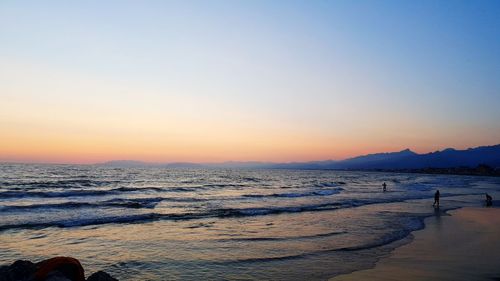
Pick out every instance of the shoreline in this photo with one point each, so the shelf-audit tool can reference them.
(463, 245)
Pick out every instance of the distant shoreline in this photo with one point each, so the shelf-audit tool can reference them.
(460, 171)
(481, 170)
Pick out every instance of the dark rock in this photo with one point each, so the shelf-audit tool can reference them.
(18, 271)
(22, 270)
(67, 267)
(101, 276)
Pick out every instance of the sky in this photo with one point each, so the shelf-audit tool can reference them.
(264, 80)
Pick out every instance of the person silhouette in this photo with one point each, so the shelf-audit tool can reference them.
(436, 199)
(384, 187)
(489, 200)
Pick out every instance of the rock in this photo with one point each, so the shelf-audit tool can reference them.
(54, 269)
(18, 271)
(101, 276)
(60, 267)
(57, 276)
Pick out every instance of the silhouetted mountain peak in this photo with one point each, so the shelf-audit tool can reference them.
(407, 151)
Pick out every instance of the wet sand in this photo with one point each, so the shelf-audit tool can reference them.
(462, 246)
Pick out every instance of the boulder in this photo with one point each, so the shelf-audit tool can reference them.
(54, 269)
(20, 270)
(101, 276)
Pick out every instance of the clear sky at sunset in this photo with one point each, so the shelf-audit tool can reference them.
(162, 81)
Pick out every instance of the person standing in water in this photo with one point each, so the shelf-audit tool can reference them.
(436, 199)
(384, 187)
(489, 200)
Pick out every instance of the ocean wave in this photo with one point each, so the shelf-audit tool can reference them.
(183, 189)
(327, 206)
(219, 213)
(83, 222)
(251, 179)
(301, 237)
(132, 189)
(68, 183)
(223, 185)
(213, 213)
(386, 239)
(327, 184)
(111, 219)
(17, 193)
(324, 192)
(134, 203)
(52, 194)
(159, 189)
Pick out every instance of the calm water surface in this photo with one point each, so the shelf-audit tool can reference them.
(218, 224)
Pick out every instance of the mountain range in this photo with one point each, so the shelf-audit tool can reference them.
(405, 159)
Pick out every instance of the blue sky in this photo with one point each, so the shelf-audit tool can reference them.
(330, 78)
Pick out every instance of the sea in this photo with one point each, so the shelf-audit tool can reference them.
(219, 224)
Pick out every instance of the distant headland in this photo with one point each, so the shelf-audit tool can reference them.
(483, 160)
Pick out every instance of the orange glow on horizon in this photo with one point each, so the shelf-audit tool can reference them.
(81, 150)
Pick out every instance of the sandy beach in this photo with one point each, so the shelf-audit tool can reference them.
(462, 246)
